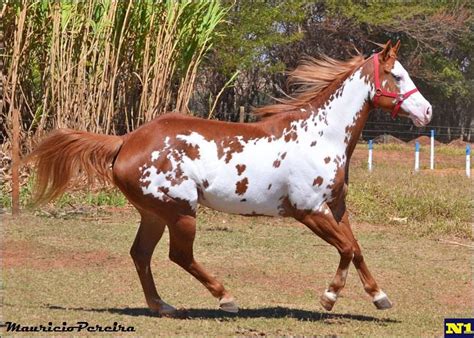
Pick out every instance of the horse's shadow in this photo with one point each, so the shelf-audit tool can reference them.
(266, 312)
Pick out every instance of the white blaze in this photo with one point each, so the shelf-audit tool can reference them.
(415, 105)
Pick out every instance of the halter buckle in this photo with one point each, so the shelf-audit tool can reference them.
(378, 92)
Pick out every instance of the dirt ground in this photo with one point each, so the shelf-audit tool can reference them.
(78, 269)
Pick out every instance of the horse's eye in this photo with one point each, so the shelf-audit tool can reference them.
(397, 77)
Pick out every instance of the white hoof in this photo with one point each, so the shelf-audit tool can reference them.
(228, 305)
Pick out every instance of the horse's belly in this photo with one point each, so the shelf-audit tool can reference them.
(256, 202)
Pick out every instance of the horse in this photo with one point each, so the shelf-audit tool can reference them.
(293, 162)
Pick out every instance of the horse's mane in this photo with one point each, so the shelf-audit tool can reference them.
(312, 76)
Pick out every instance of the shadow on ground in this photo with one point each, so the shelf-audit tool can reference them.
(267, 312)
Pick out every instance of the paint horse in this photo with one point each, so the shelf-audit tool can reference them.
(294, 162)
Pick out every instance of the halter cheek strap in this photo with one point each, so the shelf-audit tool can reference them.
(381, 92)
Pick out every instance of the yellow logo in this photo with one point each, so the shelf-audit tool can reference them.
(458, 327)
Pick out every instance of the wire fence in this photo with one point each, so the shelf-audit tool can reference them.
(407, 131)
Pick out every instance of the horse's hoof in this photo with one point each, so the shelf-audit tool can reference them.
(228, 305)
(328, 299)
(382, 302)
(164, 309)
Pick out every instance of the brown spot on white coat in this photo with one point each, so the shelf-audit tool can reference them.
(241, 186)
(318, 181)
(240, 168)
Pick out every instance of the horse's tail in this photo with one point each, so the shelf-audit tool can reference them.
(65, 153)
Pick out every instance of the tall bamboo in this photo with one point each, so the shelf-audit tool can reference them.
(99, 64)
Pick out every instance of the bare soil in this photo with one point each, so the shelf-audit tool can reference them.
(424, 141)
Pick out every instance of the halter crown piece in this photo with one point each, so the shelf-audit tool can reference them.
(380, 92)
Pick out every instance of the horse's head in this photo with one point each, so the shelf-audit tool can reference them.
(395, 91)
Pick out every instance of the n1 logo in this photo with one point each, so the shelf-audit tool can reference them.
(459, 327)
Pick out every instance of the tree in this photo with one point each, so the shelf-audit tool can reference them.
(437, 47)
(253, 27)
(263, 39)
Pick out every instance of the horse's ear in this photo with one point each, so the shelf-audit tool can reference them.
(386, 50)
(396, 47)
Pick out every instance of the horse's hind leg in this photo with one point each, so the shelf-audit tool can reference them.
(323, 224)
(182, 234)
(149, 233)
(379, 298)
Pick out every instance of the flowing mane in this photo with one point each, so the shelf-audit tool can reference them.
(312, 76)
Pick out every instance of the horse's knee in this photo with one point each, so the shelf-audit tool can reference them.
(347, 251)
(140, 257)
(358, 258)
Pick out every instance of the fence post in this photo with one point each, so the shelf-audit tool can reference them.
(417, 156)
(371, 146)
(432, 150)
(242, 114)
(468, 160)
(15, 163)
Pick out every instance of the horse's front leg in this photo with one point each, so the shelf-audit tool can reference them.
(379, 298)
(323, 224)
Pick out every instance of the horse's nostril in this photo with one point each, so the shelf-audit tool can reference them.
(428, 111)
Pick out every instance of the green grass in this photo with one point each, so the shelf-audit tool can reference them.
(409, 148)
(431, 204)
(79, 269)
(107, 196)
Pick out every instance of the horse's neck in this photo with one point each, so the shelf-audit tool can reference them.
(339, 120)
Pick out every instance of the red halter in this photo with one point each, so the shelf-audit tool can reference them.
(380, 92)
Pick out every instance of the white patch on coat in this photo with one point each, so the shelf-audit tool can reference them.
(154, 155)
(329, 126)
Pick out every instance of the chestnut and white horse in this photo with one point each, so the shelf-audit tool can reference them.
(292, 163)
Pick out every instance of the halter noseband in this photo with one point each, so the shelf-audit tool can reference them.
(380, 92)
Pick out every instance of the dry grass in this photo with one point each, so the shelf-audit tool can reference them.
(71, 263)
(78, 269)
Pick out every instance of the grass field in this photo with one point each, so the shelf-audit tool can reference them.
(71, 264)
